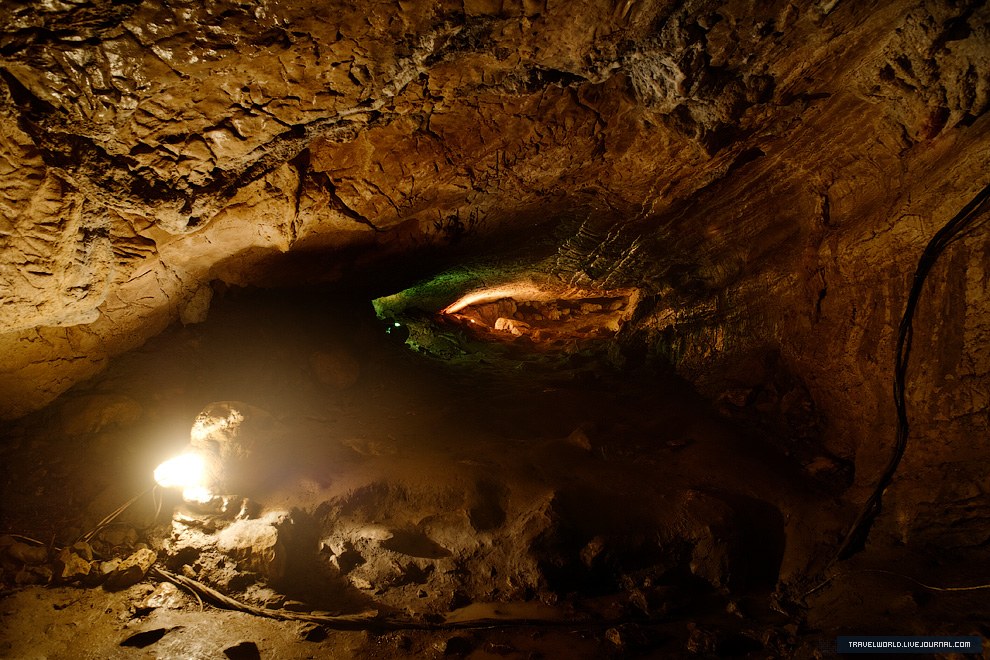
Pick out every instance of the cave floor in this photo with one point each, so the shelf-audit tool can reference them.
(613, 507)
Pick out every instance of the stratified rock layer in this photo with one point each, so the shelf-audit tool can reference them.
(765, 176)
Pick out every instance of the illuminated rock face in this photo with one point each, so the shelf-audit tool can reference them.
(765, 178)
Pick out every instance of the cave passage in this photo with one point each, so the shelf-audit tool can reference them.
(362, 476)
(546, 319)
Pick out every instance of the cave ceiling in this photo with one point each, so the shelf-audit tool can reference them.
(762, 175)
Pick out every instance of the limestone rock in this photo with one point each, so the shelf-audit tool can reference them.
(131, 570)
(72, 565)
(108, 567)
(258, 545)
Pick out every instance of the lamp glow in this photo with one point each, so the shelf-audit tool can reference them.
(188, 472)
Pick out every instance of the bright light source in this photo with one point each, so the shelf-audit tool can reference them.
(184, 471)
(189, 472)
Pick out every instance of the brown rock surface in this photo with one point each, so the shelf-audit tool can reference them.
(766, 176)
(131, 570)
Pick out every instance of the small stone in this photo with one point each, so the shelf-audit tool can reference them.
(108, 567)
(132, 570)
(29, 554)
(189, 571)
(614, 636)
(69, 566)
(361, 583)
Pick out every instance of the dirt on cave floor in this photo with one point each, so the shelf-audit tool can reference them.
(614, 507)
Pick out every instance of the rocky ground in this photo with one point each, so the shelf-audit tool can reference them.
(612, 510)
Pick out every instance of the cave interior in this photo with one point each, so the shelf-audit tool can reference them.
(493, 328)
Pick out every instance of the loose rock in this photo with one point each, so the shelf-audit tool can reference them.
(132, 570)
(70, 566)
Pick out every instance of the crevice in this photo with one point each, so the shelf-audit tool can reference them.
(340, 205)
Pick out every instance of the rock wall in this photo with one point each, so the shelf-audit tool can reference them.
(766, 174)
